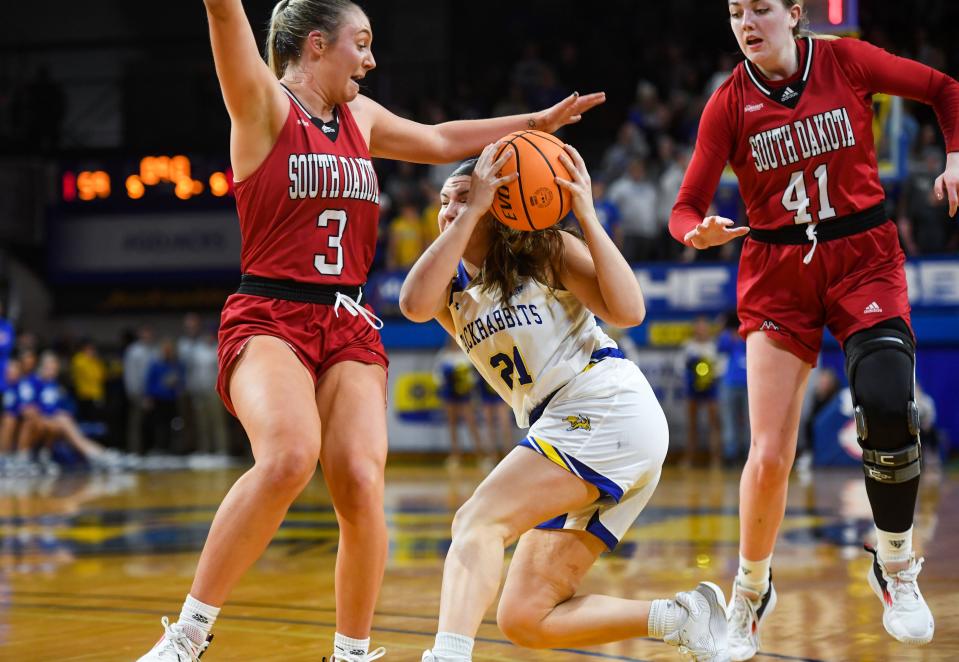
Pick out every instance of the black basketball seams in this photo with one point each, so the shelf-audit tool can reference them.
(549, 165)
(519, 180)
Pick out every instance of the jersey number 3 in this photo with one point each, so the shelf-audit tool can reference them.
(796, 200)
(330, 263)
(509, 365)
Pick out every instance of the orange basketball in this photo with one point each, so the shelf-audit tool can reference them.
(534, 200)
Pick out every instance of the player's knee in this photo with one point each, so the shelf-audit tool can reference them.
(521, 622)
(288, 471)
(474, 520)
(358, 488)
(880, 364)
(523, 613)
(771, 463)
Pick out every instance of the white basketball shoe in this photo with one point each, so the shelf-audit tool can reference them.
(702, 635)
(746, 618)
(175, 646)
(350, 657)
(905, 614)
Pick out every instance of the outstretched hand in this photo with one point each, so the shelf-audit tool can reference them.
(568, 111)
(713, 231)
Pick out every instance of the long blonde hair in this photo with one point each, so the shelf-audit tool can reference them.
(293, 20)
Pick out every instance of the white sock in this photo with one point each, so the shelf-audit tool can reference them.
(664, 617)
(894, 547)
(451, 647)
(197, 619)
(350, 646)
(754, 575)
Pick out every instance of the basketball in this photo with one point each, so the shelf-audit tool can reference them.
(533, 201)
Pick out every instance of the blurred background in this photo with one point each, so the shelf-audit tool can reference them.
(119, 240)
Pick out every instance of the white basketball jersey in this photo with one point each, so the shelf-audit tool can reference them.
(528, 349)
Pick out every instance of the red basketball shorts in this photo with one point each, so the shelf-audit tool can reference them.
(851, 284)
(316, 335)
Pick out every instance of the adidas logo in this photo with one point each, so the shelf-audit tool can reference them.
(788, 94)
(769, 325)
(872, 308)
(200, 618)
(328, 129)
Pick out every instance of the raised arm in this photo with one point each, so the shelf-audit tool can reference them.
(597, 273)
(393, 137)
(425, 290)
(254, 100)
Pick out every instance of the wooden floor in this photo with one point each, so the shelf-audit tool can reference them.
(88, 565)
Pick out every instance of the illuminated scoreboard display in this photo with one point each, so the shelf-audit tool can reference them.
(146, 181)
(833, 16)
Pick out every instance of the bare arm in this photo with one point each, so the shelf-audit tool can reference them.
(688, 222)
(257, 106)
(426, 288)
(597, 273)
(394, 137)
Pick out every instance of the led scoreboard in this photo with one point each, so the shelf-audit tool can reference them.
(147, 181)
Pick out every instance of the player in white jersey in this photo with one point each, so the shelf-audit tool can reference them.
(521, 305)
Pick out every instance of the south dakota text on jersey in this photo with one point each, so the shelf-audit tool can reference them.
(356, 175)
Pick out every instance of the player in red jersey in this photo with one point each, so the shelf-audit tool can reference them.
(301, 361)
(795, 123)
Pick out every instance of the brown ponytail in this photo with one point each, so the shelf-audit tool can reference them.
(515, 257)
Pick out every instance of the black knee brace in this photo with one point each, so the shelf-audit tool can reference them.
(880, 365)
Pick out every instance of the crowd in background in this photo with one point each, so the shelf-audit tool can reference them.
(142, 397)
(156, 395)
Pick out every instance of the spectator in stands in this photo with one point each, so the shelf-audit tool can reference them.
(455, 380)
(88, 372)
(165, 381)
(136, 362)
(825, 386)
(208, 411)
(630, 144)
(405, 238)
(403, 185)
(48, 417)
(10, 416)
(700, 367)
(674, 161)
(186, 344)
(8, 342)
(732, 390)
(924, 223)
(635, 196)
(607, 212)
(497, 421)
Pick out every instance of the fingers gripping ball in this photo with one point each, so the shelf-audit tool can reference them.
(534, 200)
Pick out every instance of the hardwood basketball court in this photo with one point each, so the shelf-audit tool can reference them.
(89, 564)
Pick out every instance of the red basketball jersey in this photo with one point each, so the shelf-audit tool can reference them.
(309, 212)
(802, 148)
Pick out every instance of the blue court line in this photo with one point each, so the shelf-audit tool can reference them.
(290, 621)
